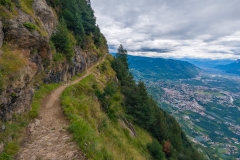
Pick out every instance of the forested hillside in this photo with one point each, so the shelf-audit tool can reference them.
(115, 118)
(78, 17)
(144, 111)
(233, 68)
(160, 68)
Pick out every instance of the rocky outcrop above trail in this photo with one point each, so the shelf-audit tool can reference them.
(34, 46)
(17, 36)
(45, 14)
(65, 71)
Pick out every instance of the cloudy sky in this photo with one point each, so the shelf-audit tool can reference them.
(172, 28)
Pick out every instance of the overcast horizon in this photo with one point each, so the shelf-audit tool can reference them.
(171, 29)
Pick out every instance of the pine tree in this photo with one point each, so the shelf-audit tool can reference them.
(62, 41)
(122, 56)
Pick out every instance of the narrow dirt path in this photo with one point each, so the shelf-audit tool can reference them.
(47, 136)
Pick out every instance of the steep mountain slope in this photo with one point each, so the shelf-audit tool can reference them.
(36, 47)
(100, 127)
(160, 68)
(108, 107)
(41, 42)
(51, 126)
(233, 68)
(111, 117)
(145, 112)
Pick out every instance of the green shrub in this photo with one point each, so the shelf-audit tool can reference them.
(30, 26)
(54, 3)
(58, 57)
(156, 150)
(5, 2)
(103, 68)
(4, 156)
(11, 148)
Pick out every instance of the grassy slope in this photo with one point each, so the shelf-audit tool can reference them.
(99, 135)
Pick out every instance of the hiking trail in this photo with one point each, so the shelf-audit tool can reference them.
(47, 137)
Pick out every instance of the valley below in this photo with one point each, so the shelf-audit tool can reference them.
(207, 107)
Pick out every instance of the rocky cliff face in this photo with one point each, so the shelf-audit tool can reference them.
(65, 71)
(34, 47)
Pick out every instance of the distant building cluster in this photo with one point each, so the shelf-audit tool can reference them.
(186, 97)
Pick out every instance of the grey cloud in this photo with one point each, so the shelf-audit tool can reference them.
(231, 43)
(236, 51)
(157, 50)
(188, 25)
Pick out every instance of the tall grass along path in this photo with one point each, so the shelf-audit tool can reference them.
(47, 137)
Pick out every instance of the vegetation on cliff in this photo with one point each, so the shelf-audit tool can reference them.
(62, 41)
(160, 68)
(144, 111)
(76, 27)
(35, 43)
(98, 121)
(101, 109)
(10, 65)
(78, 17)
(105, 110)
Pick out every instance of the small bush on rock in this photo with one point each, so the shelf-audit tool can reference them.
(30, 26)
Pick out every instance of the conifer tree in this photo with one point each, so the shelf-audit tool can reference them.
(146, 113)
(62, 41)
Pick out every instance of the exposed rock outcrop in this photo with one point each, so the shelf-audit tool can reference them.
(45, 15)
(16, 97)
(34, 46)
(65, 71)
(18, 36)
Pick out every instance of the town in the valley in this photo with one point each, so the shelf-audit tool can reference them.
(195, 104)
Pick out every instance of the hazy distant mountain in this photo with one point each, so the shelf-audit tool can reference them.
(207, 63)
(231, 68)
(159, 68)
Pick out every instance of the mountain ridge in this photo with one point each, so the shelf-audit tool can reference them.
(166, 68)
(233, 68)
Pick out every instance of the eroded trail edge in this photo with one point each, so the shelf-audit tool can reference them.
(47, 137)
